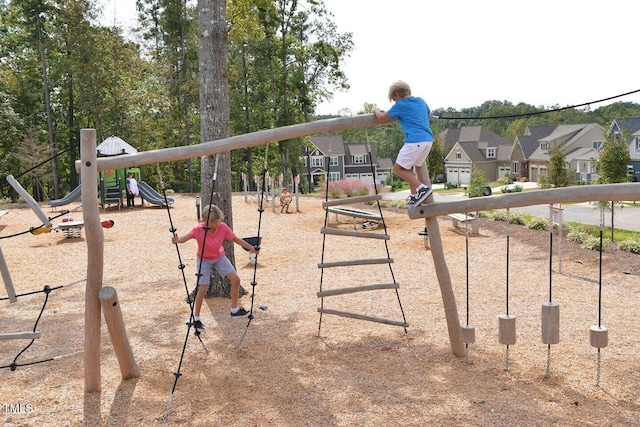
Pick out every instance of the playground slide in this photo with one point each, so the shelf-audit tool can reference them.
(152, 196)
(72, 196)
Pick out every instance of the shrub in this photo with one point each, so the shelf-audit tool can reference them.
(593, 243)
(578, 234)
(632, 246)
(516, 219)
(499, 216)
(350, 188)
(538, 223)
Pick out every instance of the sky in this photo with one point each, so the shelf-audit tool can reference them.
(460, 53)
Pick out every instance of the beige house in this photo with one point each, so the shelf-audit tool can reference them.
(474, 147)
(579, 143)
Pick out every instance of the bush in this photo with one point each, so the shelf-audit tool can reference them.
(517, 219)
(578, 234)
(632, 246)
(593, 243)
(538, 223)
(350, 188)
(499, 216)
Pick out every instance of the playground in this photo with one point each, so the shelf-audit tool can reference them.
(353, 372)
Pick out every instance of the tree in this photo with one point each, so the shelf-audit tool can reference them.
(612, 164)
(558, 170)
(214, 120)
(478, 183)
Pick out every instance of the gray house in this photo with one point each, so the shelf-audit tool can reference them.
(346, 161)
(579, 143)
(631, 128)
(474, 147)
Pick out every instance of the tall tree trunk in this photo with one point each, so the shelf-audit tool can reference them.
(214, 114)
(47, 103)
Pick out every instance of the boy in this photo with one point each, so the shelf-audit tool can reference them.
(413, 113)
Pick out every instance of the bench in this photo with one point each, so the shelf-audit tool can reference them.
(457, 218)
(355, 214)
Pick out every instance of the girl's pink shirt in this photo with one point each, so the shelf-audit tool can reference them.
(213, 249)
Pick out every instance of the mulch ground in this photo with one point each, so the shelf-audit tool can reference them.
(290, 367)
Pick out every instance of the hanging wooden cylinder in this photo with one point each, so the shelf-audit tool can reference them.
(598, 336)
(550, 323)
(507, 329)
(468, 334)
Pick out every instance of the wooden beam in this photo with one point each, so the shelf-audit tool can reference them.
(354, 289)
(235, 142)
(20, 336)
(363, 317)
(349, 233)
(352, 200)
(581, 193)
(356, 262)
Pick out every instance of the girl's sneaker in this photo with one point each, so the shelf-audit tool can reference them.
(240, 313)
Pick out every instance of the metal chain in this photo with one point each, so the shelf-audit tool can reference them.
(598, 370)
(548, 373)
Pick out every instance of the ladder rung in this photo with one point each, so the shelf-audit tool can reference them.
(363, 317)
(20, 336)
(357, 289)
(352, 200)
(356, 262)
(340, 232)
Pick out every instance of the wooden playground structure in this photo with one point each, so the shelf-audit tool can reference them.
(97, 296)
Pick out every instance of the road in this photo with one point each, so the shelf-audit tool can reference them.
(626, 218)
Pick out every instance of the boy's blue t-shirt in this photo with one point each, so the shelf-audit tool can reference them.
(413, 115)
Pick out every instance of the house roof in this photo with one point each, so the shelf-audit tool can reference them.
(529, 142)
(475, 134)
(385, 163)
(357, 149)
(329, 145)
(629, 124)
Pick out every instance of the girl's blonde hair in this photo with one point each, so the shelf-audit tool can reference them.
(400, 88)
(212, 214)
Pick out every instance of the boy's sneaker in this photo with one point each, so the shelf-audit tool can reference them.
(198, 325)
(419, 197)
(240, 313)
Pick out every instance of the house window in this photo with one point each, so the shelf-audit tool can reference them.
(333, 161)
(317, 162)
(358, 160)
(596, 144)
(637, 145)
(458, 155)
(544, 146)
(491, 153)
(304, 161)
(516, 168)
(334, 176)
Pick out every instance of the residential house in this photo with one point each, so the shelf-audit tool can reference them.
(579, 143)
(346, 161)
(474, 147)
(524, 146)
(631, 128)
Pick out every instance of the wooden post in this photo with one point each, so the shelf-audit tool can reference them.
(95, 260)
(444, 279)
(113, 318)
(6, 278)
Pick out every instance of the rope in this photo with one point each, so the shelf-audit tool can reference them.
(181, 267)
(536, 113)
(46, 290)
(263, 188)
(384, 225)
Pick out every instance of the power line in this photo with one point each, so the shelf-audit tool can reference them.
(536, 113)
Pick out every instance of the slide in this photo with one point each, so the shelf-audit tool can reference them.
(72, 196)
(152, 196)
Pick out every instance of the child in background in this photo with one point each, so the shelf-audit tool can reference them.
(213, 256)
(285, 200)
(413, 113)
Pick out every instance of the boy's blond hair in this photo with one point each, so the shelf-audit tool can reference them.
(400, 88)
(213, 214)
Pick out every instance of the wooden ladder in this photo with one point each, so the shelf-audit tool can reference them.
(324, 293)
